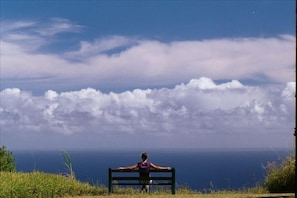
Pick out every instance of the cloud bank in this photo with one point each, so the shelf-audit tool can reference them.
(199, 113)
(133, 62)
(53, 59)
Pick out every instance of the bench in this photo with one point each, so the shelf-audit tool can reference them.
(131, 177)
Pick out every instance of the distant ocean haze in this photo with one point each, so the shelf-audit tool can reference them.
(198, 169)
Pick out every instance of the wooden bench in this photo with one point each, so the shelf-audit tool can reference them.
(131, 177)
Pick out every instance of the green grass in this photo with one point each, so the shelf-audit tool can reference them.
(38, 184)
(44, 185)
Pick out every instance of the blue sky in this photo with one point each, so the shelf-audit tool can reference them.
(128, 73)
(165, 20)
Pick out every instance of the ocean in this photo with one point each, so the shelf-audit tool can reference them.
(199, 170)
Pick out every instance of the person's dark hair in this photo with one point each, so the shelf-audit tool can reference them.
(144, 156)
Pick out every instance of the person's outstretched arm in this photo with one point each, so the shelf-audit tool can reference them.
(135, 166)
(160, 167)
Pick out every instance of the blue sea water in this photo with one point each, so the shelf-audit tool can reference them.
(197, 169)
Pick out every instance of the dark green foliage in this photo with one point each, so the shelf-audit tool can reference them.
(7, 161)
(281, 178)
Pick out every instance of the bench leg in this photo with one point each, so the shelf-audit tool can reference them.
(173, 182)
(109, 181)
(173, 189)
(109, 189)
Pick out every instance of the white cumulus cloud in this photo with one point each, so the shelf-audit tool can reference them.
(189, 111)
(254, 107)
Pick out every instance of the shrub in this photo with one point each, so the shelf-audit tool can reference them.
(7, 161)
(281, 178)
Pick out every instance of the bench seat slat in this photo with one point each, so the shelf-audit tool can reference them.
(154, 184)
(138, 178)
(137, 171)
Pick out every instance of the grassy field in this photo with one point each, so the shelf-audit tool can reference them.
(39, 184)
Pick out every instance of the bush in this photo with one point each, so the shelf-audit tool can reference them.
(7, 161)
(281, 178)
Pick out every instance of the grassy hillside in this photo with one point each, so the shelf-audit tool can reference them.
(39, 184)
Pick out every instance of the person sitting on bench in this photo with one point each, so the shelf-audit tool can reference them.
(144, 171)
